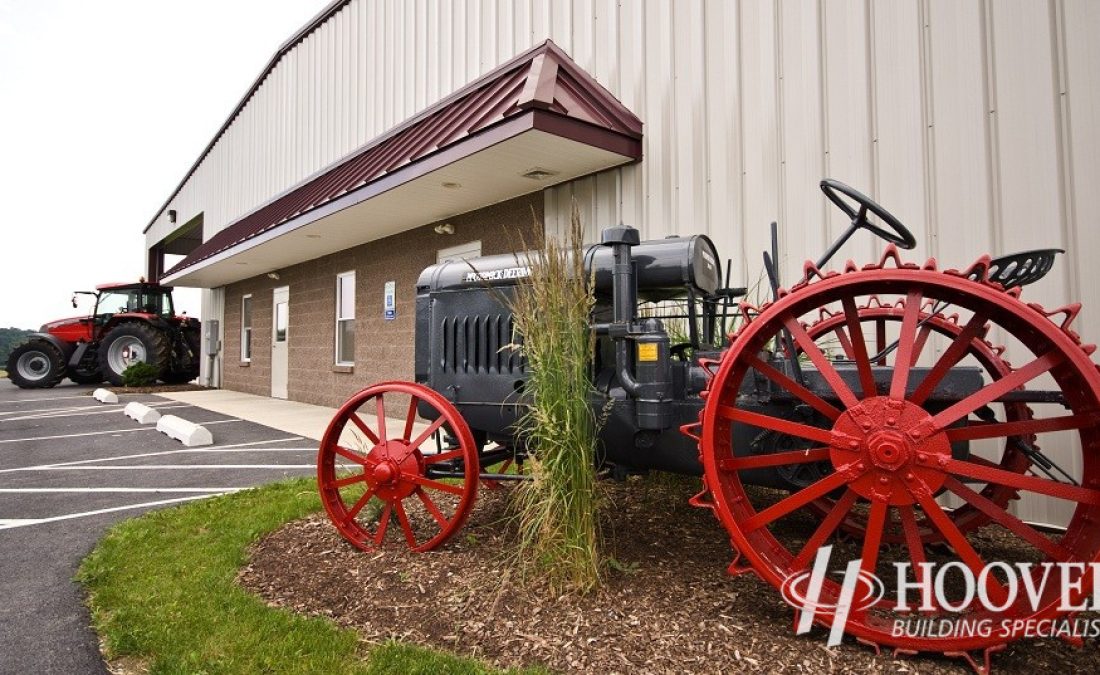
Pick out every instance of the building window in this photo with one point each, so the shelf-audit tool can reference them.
(345, 318)
(246, 328)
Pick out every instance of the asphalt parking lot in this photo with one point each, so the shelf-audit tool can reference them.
(69, 468)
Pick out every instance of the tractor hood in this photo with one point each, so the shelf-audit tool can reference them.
(53, 325)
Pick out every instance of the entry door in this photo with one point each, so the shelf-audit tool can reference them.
(280, 320)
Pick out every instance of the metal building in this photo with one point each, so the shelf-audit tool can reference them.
(383, 122)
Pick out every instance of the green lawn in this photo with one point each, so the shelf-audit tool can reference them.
(162, 593)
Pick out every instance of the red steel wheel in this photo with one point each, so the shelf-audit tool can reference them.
(874, 318)
(415, 487)
(891, 455)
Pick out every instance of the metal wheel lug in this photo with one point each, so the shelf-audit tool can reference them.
(892, 421)
(861, 466)
(922, 457)
(884, 480)
(909, 476)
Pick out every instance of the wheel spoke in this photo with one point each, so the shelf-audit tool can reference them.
(443, 456)
(808, 397)
(795, 501)
(955, 351)
(367, 431)
(906, 342)
(824, 367)
(1020, 428)
(958, 541)
(434, 484)
(352, 480)
(996, 389)
(827, 526)
(352, 455)
(410, 418)
(912, 541)
(1009, 521)
(383, 523)
(775, 424)
(403, 519)
(918, 344)
(872, 541)
(419, 440)
(1022, 481)
(358, 506)
(859, 348)
(880, 340)
(775, 459)
(431, 507)
(845, 343)
(381, 412)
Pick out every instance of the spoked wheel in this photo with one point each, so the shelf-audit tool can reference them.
(891, 451)
(423, 493)
(875, 321)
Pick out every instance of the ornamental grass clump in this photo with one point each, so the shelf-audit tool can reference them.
(556, 510)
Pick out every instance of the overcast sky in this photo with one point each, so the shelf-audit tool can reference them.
(103, 108)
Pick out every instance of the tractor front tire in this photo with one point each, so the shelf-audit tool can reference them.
(129, 343)
(36, 365)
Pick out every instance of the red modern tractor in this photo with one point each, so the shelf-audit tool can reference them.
(130, 323)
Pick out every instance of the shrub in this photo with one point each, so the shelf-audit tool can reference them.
(140, 374)
(557, 509)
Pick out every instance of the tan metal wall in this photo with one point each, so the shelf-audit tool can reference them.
(976, 121)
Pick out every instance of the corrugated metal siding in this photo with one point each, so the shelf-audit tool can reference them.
(977, 122)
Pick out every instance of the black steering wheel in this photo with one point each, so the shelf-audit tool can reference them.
(898, 234)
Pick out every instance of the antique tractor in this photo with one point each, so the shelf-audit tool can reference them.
(130, 322)
(871, 409)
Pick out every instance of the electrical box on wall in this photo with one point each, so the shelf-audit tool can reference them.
(210, 342)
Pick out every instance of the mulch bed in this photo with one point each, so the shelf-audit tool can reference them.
(666, 605)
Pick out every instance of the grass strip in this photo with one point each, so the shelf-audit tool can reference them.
(162, 594)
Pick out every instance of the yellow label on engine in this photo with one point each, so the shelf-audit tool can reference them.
(647, 351)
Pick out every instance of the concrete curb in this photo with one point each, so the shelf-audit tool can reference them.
(105, 396)
(141, 413)
(188, 433)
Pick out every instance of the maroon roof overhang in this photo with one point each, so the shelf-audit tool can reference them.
(541, 89)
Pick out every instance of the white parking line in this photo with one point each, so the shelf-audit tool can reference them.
(86, 397)
(68, 408)
(97, 406)
(116, 489)
(17, 522)
(98, 411)
(102, 433)
(236, 447)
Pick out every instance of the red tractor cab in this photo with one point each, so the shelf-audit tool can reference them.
(130, 323)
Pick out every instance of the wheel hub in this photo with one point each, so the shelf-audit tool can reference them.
(392, 465)
(889, 447)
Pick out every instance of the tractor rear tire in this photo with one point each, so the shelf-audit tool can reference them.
(36, 364)
(128, 343)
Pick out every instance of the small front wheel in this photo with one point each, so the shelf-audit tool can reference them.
(366, 456)
(36, 364)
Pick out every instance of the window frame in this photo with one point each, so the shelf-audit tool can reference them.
(246, 331)
(340, 319)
